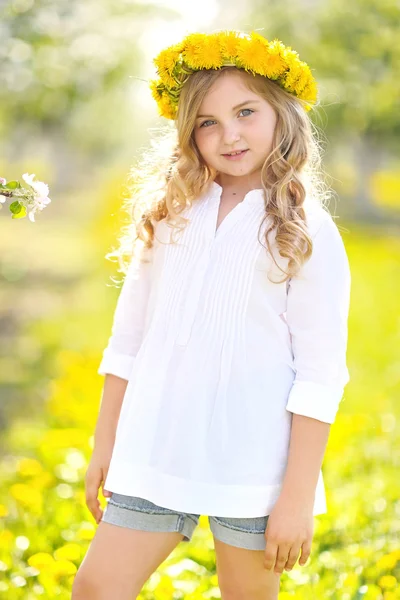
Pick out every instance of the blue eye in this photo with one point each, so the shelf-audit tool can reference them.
(202, 125)
(209, 121)
(249, 109)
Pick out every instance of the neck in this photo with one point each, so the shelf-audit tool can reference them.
(238, 185)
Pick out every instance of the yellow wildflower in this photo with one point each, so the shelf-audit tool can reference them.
(27, 496)
(6, 539)
(60, 568)
(69, 551)
(293, 78)
(252, 53)
(310, 93)
(388, 582)
(166, 108)
(202, 51)
(156, 90)
(276, 64)
(28, 467)
(40, 560)
(229, 44)
(165, 63)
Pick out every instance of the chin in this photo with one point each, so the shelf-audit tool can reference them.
(236, 169)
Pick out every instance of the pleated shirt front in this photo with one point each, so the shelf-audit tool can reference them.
(218, 358)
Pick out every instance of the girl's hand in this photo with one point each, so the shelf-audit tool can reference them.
(290, 529)
(95, 475)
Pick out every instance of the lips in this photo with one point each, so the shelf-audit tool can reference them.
(235, 152)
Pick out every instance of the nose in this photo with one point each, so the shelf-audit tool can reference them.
(230, 134)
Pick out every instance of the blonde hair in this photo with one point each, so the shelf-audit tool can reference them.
(172, 173)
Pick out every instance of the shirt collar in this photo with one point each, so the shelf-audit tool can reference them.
(255, 195)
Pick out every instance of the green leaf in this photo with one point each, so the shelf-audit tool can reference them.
(20, 214)
(16, 207)
(12, 185)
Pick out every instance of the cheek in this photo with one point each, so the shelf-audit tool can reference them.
(204, 141)
(264, 136)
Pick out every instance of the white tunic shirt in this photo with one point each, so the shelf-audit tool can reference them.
(218, 358)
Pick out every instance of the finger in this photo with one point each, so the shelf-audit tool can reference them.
(293, 556)
(92, 501)
(305, 553)
(281, 559)
(270, 555)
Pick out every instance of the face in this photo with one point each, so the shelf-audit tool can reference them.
(231, 118)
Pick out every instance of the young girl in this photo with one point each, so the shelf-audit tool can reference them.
(227, 358)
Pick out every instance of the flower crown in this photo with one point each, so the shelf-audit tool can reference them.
(251, 52)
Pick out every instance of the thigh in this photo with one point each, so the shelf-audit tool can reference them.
(240, 553)
(120, 560)
(242, 575)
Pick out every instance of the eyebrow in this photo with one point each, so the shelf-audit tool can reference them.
(234, 108)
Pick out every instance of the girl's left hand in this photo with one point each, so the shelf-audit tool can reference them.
(290, 529)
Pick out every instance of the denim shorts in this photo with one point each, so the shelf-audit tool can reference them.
(138, 513)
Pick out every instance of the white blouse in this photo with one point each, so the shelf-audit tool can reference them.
(218, 358)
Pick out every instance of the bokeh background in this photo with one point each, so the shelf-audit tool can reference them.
(76, 110)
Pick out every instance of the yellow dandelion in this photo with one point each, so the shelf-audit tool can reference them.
(292, 61)
(166, 62)
(191, 43)
(86, 531)
(28, 467)
(229, 44)
(6, 539)
(168, 79)
(3, 510)
(69, 551)
(290, 55)
(276, 64)
(40, 561)
(44, 480)
(202, 51)
(27, 496)
(293, 76)
(388, 561)
(61, 568)
(165, 107)
(156, 89)
(20, 492)
(310, 92)
(252, 53)
(388, 582)
(303, 79)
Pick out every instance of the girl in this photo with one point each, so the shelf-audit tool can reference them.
(227, 358)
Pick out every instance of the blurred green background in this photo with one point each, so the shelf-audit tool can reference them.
(76, 110)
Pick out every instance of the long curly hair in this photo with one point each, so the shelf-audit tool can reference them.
(171, 173)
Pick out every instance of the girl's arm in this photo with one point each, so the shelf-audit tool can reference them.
(123, 344)
(129, 319)
(110, 408)
(317, 315)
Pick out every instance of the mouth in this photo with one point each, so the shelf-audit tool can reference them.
(236, 154)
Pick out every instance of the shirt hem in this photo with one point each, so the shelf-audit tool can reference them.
(197, 497)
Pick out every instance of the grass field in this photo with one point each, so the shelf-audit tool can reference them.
(53, 290)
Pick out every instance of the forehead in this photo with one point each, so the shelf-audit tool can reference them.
(230, 88)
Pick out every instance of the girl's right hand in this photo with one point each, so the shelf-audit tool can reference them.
(95, 475)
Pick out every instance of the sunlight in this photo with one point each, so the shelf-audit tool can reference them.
(190, 17)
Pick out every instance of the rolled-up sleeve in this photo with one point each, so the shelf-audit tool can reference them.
(129, 319)
(317, 315)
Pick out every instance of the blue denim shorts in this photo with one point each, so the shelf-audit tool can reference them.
(138, 513)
